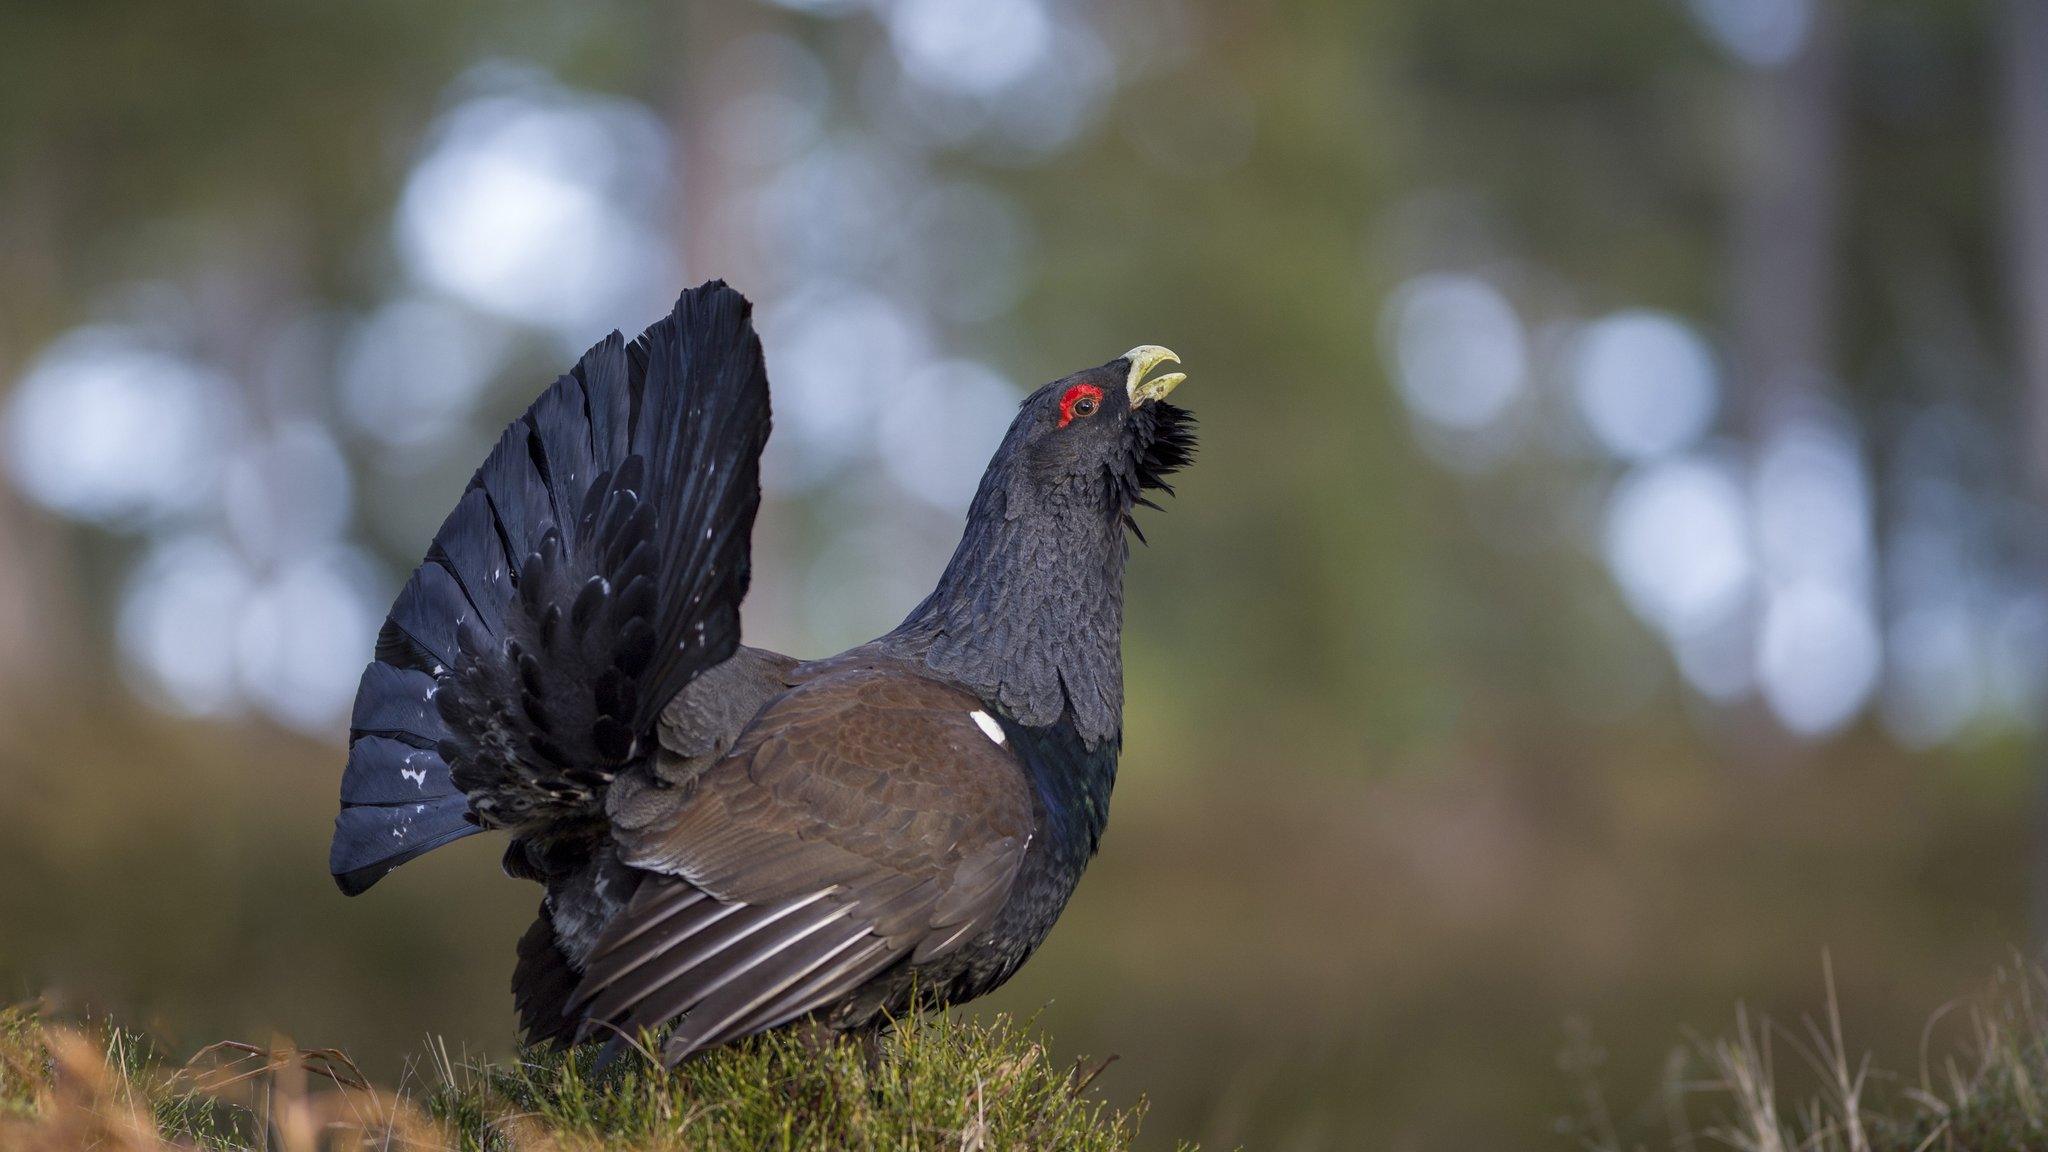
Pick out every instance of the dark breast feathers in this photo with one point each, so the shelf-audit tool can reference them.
(866, 821)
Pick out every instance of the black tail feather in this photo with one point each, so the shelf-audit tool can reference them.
(398, 797)
(542, 983)
(371, 840)
(593, 567)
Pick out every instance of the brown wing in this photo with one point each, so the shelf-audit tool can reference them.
(864, 818)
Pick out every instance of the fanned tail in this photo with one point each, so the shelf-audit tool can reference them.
(397, 798)
(595, 565)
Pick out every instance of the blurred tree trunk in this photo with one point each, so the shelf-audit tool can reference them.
(40, 616)
(1789, 137)
(713, 195)
(2024, 40)
(1788, 127)
(707, 181)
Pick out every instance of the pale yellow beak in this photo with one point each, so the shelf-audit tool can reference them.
(1144, 358)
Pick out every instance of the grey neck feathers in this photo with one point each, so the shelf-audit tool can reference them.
(1029, 612)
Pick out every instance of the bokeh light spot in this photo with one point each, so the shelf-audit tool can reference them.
(412, 372)
(537, 204)
(1813, 504)
(1677, 540)
(1818, 656)
(1460, 355)
(975, 48)
(288, 491)
(303, 637)
(178, 618)
(104, 427)
(1645, 383)
(1935, 684)
(939, 428)
(1760, 33)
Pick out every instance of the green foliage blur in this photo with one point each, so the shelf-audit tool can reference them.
(1411, 794)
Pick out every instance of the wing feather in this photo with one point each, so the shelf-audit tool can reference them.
(820, 983)
(694, 995)
(668, 900)
(765, 991)
(616, 979)
(725, 928)
(861, 822)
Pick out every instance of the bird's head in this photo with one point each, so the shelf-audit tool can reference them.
(1104, 436)
(1029, 612)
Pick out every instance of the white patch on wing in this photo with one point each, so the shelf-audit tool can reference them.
(988, 725)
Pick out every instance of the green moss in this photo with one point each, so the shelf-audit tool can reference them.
(22, 1064)
(936, 1083)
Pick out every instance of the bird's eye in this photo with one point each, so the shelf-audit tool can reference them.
(1080, 400)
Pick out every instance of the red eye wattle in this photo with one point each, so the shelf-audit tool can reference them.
(1080, 400)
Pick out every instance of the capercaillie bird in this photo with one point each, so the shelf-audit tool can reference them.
(730, 839)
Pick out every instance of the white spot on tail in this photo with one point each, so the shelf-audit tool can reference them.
(988, 725)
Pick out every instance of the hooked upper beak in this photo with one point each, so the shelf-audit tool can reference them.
(1144, 358)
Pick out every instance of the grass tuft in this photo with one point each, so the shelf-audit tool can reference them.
(938, 1082)
(1987, 1092)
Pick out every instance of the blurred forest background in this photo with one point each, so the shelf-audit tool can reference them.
(1614, 574)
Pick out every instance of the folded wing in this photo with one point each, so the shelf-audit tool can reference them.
(866, 819)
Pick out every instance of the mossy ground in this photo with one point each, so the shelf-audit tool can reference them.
(941, 1082)
(937, 1083)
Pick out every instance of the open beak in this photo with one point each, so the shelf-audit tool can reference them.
(1144, 358)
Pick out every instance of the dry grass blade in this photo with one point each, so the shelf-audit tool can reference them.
(1082, 1083)
(330, 1063)
(1988, 1094)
